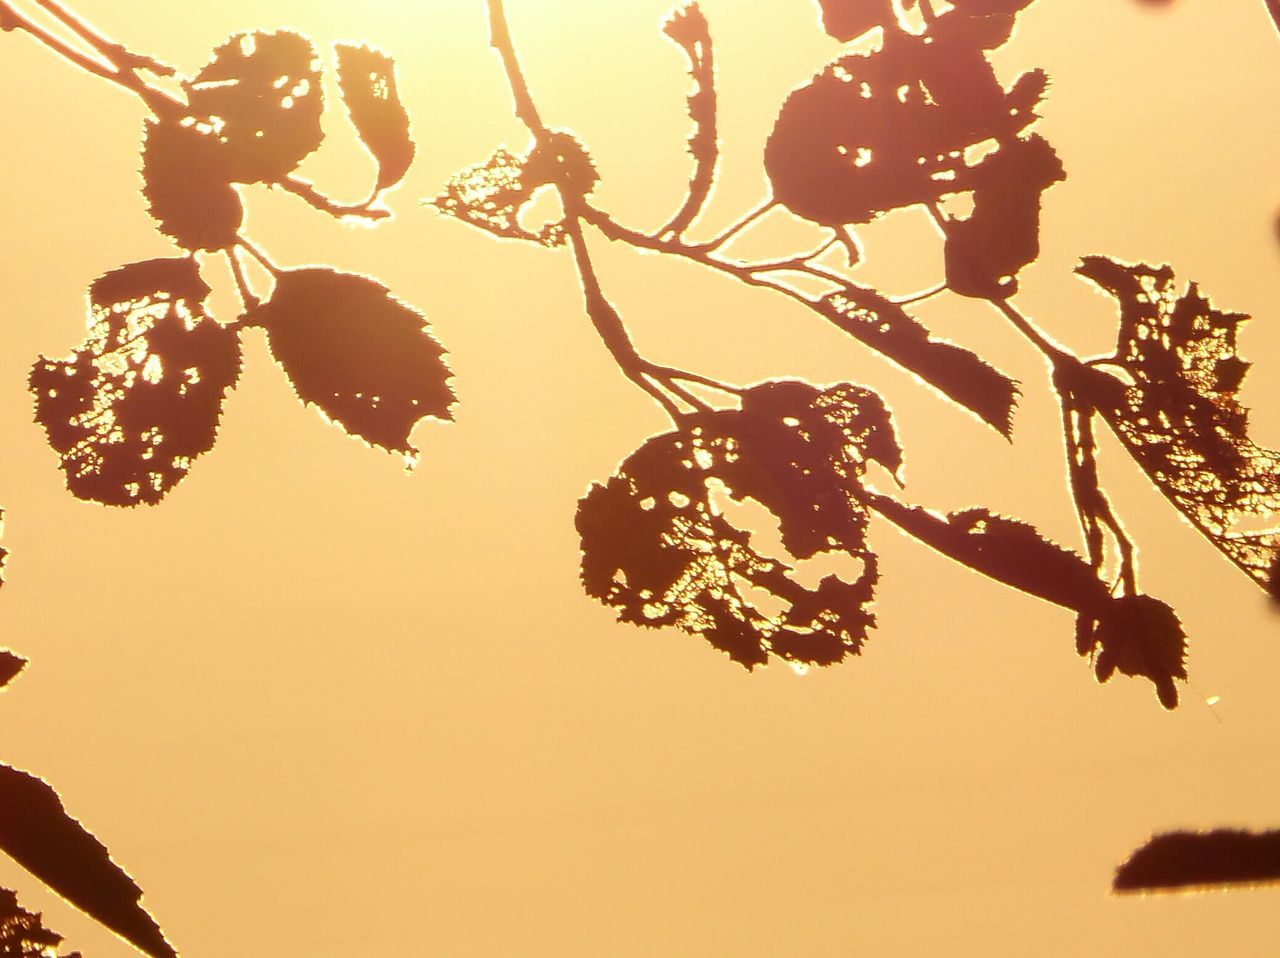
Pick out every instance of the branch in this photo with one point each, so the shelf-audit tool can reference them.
(317, 200)
(602, 313)
(114, 52)
(500, 40)
(158, 101)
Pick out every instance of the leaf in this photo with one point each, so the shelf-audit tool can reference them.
(889, 129)
(688, 27)
(10, 666)
(657, 547)
(1182, 419)
(133, 407)
(367, 78)
(37, 833)
(1182, 860)
(848, 19)
(187, 184)
(985, 252)
(261, 98)
(1138, 636)
(1133, 634)
(22, 933)
(364, 358)
(491, 195)
(954, 371)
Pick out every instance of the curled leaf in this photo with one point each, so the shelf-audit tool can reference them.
(367, 78)
(261, 99)
(688, 27)
(187, 184)
(657, 546)
(491, 195)
(884, 130)
(23, 934)
(954, 371)
(37, 833)
(1133, 634)
(985, 252)
(1182, 860)
(364, 358)
(1139, 636)
(1181, 417)
(133, 407)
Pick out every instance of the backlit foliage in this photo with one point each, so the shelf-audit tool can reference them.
(140, 400)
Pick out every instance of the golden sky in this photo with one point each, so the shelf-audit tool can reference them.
(318, 707)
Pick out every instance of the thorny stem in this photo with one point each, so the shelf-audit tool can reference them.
(121, 67)
(650, 377)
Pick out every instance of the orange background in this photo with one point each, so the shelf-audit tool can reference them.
(319, 708)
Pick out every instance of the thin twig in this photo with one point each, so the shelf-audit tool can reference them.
(247, 299)
(608, 324)
(114, 52)
(736, 228)
(258, 255)
(160, 102)
(920, 297)
(317, 200)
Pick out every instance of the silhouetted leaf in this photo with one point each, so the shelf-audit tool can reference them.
(689, 28)
(1138, 636)
(888, 129)
(133, 407)
(22, 933)
(37, 833)
(1135, 634)
(1181, 418)
(847, 19)
(10, 666)
(954, 371)
(657, 547)
(364, 358)
(1179, 860)
(491, 195)
(368, 81)
(985, 252)
(261, 98)
(187, 183)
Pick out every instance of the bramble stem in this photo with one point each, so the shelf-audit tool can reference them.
(604, 316)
